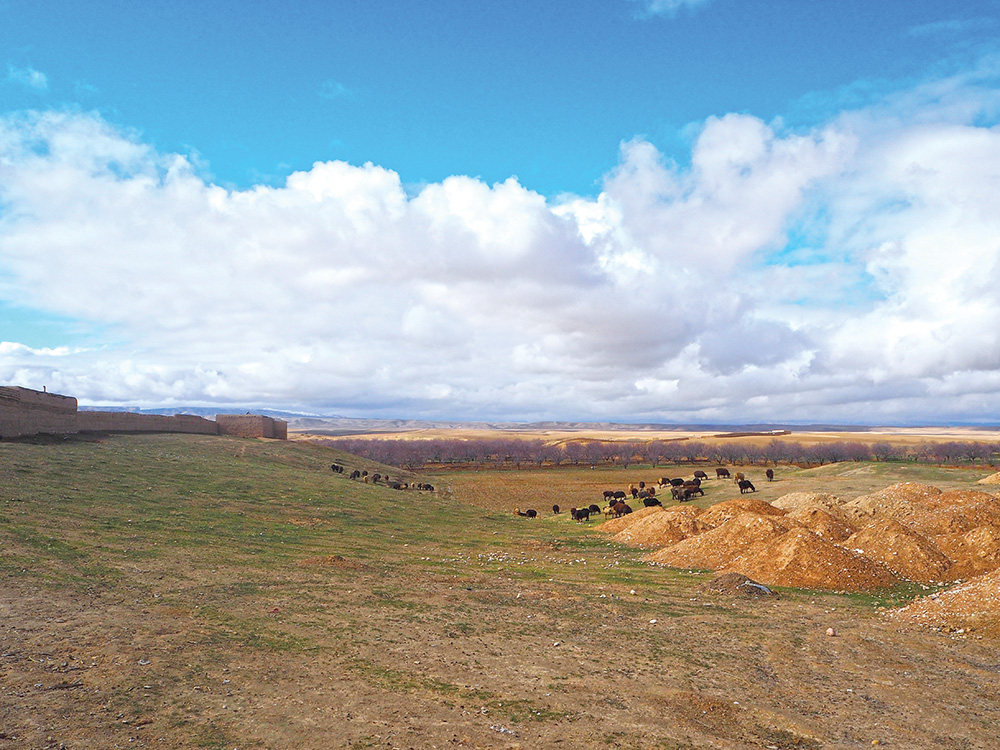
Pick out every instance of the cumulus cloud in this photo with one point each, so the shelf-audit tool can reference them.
(847, 272)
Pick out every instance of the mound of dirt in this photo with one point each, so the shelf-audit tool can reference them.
(955, 512)
(895, 501)
(737, 584)
(803, 559)
(822, 523)
(991, 479)
(794, 501)
(661, 529)
(973, 553)
(971, 607)
(744, 534)
(907, 554)
(908, 531)
(614, 525)
(719, 513)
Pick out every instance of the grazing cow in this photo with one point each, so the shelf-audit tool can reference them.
(700, 474)
(664, 481)
(634, 491)
(770, 475)
(621, 509)
(740, 476)
(376, 477)
(678, 482)
(529, 513)
(595, 510)
(555, 508)
(722, 473)
(395, 485)
(690, 491)
(355, 474)
(581, 514)
(649, 502)
(608, 494)
(336, 468)
(746, 486)
(619, 495)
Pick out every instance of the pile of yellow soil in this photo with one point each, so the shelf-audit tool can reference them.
(908, 531)
(970, 607)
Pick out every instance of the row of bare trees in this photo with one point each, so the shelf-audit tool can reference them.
(517, 453)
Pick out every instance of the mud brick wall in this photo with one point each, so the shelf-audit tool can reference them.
(123, 421)
(27, 412)
(251, 425)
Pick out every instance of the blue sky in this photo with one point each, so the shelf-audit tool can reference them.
(643, 211)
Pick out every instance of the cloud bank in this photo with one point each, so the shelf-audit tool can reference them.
(849, 272)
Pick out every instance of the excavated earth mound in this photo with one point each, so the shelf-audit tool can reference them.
(906, 553)
(822, 523)
(802, 559)
(970, 607)
(991, 479)
(660, 529)
(614, 525)
(906, 532)
(796, 501)
(896, 501)
(742, 535)
(719, 513)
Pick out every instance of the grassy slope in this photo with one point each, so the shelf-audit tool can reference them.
(187, 591)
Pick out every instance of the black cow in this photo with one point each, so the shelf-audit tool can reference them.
(580, 514)
(336, 468)
(700, 474)
(770, 475)
(746, 486)
(722, 473)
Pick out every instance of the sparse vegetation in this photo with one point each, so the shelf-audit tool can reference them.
(177, 591)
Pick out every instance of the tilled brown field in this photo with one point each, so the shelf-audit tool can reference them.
(171, 592)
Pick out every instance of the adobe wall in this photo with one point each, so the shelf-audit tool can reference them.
(27, 412)
(251, 425)
(124, 421)
(24, 411)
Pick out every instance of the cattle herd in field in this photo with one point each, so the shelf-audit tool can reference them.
(376, 478)
(681, 490)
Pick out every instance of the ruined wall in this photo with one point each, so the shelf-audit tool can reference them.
(24, 411)
(124, 421)
(27, 412)
(251, 425)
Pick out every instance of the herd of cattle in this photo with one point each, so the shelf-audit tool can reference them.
(681, 490)
(375, 478)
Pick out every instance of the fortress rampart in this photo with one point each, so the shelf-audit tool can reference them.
(27, 412)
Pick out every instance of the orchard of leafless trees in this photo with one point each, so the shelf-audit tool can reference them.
(518, 453)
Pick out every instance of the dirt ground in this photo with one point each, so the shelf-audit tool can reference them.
(498, 632)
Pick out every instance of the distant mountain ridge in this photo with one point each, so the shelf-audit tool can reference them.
(332, 424)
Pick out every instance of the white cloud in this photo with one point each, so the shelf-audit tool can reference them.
(669, 7)
(848, 272)
(28, 78)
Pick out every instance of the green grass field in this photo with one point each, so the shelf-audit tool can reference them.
(189, 591)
